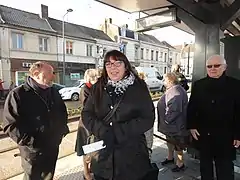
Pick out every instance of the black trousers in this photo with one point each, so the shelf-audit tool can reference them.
(42, 167)
(212, 151)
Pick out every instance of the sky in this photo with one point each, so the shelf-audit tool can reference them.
(91, 13)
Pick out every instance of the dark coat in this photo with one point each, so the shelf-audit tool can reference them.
(82, 133)
(130, 158)
(214, 110)
(172, 112)
(35, 124)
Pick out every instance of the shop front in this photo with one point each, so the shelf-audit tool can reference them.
(74, 71)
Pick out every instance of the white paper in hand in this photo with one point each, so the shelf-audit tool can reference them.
(89, 148)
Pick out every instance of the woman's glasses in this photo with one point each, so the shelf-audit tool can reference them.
(115, 64)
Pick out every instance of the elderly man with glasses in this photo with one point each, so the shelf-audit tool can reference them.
(213, 118)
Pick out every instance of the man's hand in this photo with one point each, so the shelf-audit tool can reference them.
(236, 143)
(195, 133)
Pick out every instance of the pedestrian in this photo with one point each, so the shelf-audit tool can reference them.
(172, 112)
(35, 117)
(214, 119)
(91, 76)
(149, 133)
(121, 91)
(182, 80)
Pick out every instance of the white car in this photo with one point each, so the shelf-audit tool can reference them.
(153, 78)
(72, 93)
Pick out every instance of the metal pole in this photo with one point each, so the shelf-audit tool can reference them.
(64, 48)
(64, 66)
(188, 60)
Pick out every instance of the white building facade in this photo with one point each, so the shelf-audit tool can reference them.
(33, 38)
(142, 49)
(23, 43)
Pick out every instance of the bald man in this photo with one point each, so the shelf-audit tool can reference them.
(213, 118)
(35, 117)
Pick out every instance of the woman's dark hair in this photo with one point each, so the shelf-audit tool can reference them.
(102, 81)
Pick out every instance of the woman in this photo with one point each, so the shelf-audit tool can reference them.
(126, 154)
(172, 109)
(149, 133)
(90, 77)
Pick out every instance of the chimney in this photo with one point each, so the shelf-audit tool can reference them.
(44, 11)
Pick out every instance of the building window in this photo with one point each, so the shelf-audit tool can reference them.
(89, 50)
(147, 54)
(142, 53)
(165, 57)
(136, 52)
(43, 44)
(165, 70)
(98, 48)
(156, 55)
(17, 41)
(104, 51)
(152, 54)
(69, 47)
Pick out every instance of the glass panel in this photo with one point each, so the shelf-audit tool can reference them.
(40, 44)
(20, 41)
(45, 44)
(21, 77)
(14, 40)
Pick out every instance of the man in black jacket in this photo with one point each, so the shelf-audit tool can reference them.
(214, 120)
(35, 117)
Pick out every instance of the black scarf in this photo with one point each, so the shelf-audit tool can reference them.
(44, 93)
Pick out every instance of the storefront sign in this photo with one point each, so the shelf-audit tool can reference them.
(26, 65)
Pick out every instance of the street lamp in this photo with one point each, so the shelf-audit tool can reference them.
(64, 48)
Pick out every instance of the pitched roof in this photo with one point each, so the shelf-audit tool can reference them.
(69, 29)
(95, 33)
(149, 38)
(78, 31)
(168, 45)
(22, 18)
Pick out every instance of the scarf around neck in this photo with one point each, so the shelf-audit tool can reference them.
(121, 86)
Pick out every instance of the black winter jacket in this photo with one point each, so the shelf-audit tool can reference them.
(36, 124)
(136, 114)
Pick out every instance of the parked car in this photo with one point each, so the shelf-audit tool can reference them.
(58, 86)
(73, 92)
(152, 78)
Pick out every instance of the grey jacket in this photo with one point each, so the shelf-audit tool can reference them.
(172, 109)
